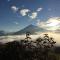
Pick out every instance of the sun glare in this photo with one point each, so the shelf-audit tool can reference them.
(53, 24)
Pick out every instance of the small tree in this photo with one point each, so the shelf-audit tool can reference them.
(27, 36)
(40, 47)
(44, 45)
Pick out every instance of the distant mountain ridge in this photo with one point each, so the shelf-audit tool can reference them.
(30, 28)
(2, 33)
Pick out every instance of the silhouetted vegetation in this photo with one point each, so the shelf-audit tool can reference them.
(40, 49)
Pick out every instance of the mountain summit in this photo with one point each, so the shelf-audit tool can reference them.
(30, 28)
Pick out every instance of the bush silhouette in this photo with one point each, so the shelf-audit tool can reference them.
(40, 49)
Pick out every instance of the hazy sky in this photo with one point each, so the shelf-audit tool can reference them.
(16, 14)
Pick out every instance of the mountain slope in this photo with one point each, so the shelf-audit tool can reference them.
(30, 28)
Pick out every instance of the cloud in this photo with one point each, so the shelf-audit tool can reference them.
(10, 38)
(57, 31)
(51, 24)
(39, 9)
(14, 8)
(33, 15)
(24, 12)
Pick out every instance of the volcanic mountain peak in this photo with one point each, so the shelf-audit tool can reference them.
(30, 28)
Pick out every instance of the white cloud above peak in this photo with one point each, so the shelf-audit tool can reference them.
(24, 12)
(39, 9)
(33, 15)
(14, 8)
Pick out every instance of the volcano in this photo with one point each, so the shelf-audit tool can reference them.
(30, 28)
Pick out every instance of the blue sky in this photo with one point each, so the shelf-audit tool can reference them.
(16, 14)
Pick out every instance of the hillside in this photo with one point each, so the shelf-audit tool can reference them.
(30, 28)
